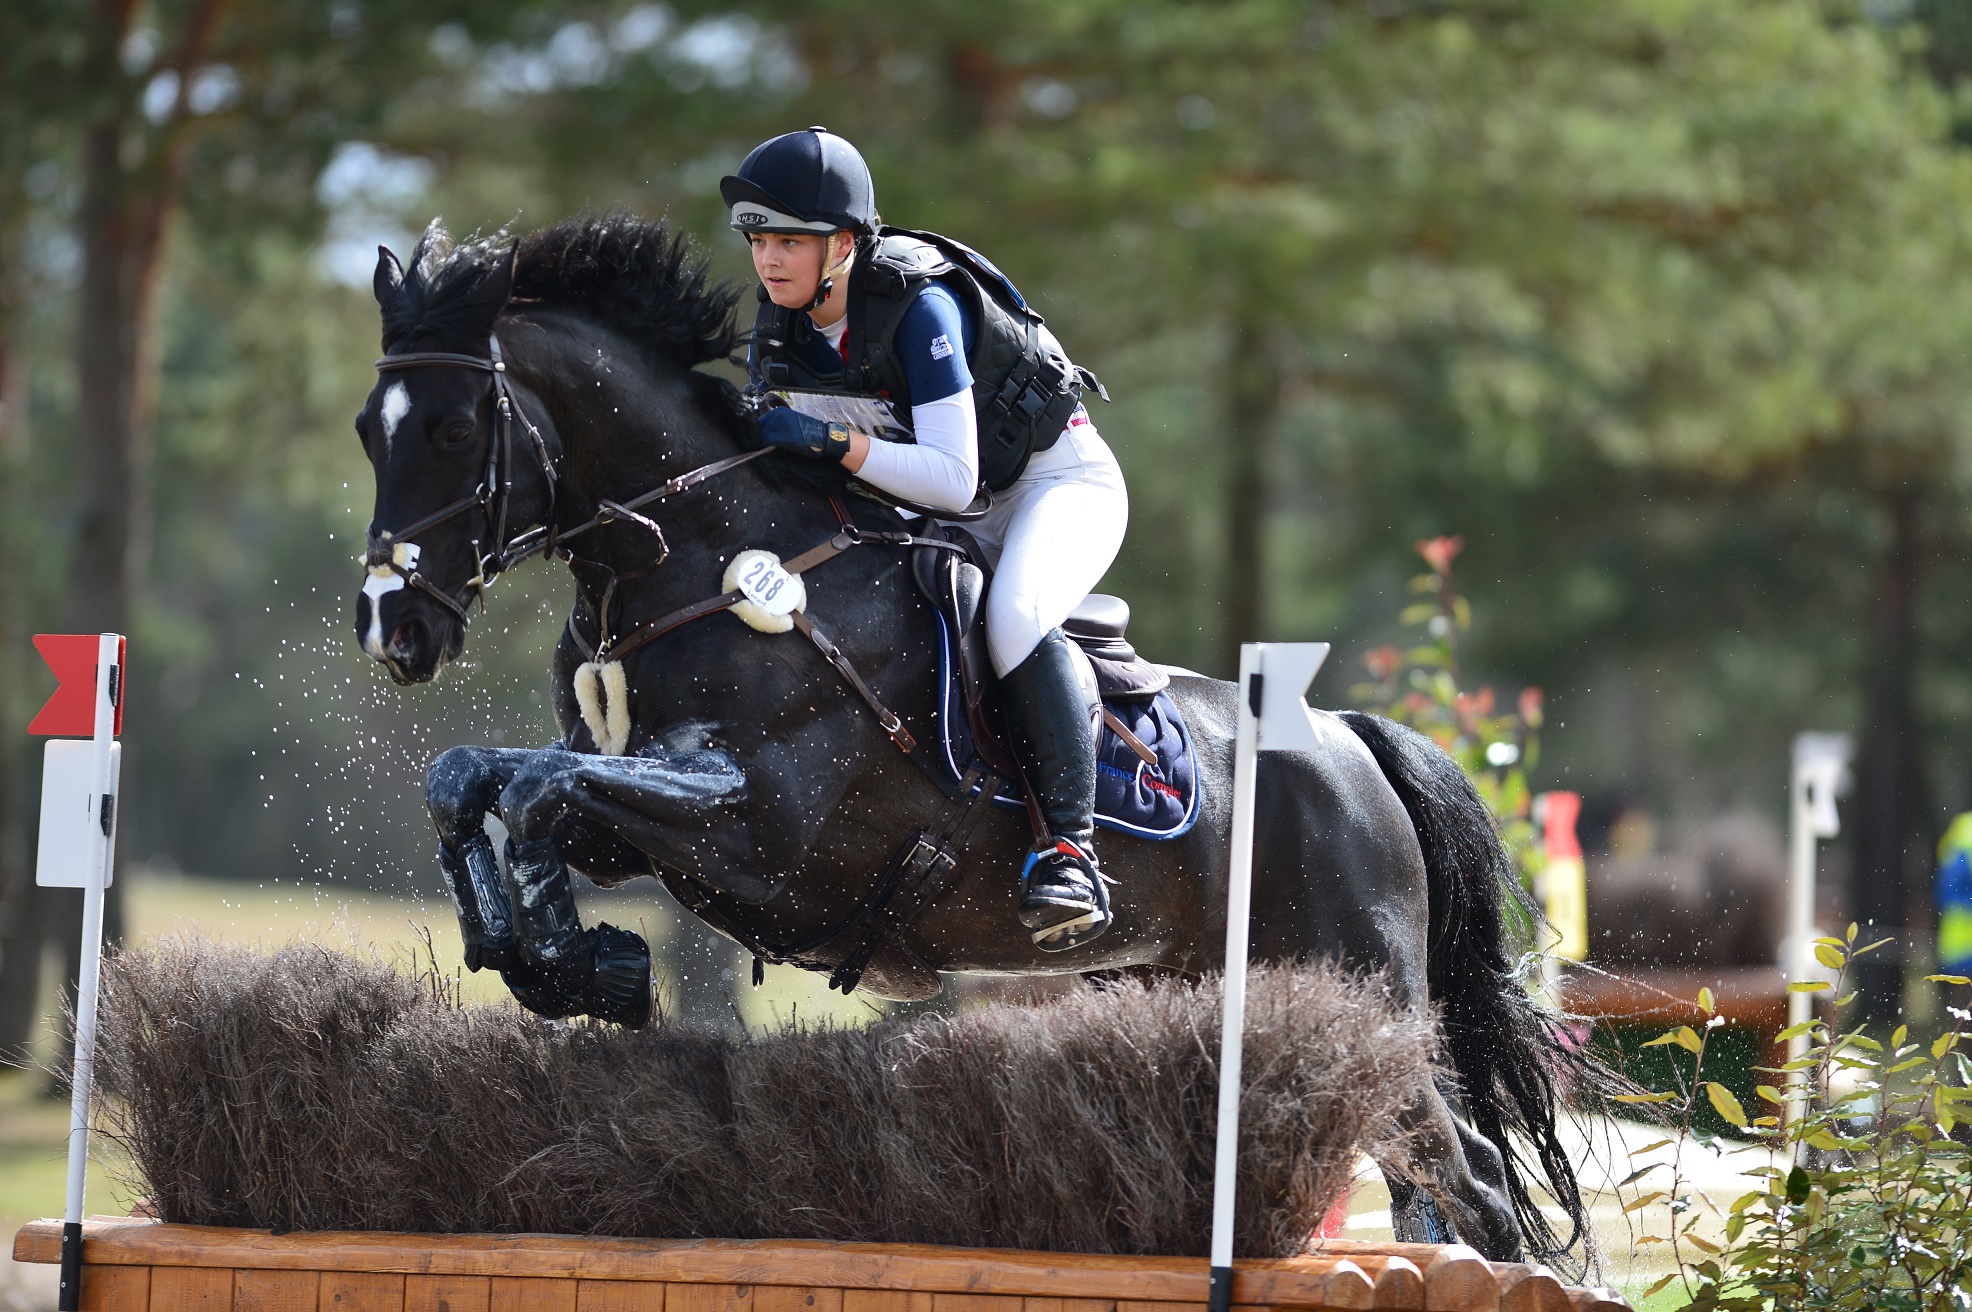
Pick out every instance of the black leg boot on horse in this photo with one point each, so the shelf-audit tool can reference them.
(556, 968)
(1051, 722)
(553, 965)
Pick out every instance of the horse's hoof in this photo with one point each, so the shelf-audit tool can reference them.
(545, 991)
(619, 989)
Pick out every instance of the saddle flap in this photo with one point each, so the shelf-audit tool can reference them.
(956, 585)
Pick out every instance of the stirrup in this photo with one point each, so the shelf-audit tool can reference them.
(1079, 929)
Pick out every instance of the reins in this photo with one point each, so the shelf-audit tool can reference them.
(496, 489)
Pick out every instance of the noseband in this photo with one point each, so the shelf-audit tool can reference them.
(492, 494)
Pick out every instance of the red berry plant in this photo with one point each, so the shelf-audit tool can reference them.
(1418, 685)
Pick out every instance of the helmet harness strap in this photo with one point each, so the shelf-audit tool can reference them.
(829, 270)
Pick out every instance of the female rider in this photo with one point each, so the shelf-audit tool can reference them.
(849, 305)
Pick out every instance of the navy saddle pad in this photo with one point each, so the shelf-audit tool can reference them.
(1156, 802)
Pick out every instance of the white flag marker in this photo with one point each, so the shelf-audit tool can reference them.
(1821, 770)
(77, 849)
(1273, 717)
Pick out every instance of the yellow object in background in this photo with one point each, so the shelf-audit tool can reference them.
(1564, 886)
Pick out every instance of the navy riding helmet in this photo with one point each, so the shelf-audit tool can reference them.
(807, 181)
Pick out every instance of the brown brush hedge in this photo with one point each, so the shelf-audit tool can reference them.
(306, 1089)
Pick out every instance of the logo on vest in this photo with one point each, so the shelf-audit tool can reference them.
(941, 347)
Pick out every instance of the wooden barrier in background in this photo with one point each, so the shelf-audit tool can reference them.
(133, 1265)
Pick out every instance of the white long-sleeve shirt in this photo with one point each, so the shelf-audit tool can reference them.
(942, 468)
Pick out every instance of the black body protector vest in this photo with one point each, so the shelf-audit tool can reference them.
(1024, 386)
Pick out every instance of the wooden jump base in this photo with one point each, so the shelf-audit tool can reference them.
(132, 1265)
(1754, 997)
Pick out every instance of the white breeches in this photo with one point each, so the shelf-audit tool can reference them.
(1050, 538)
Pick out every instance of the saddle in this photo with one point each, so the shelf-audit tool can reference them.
(868, 950)
(956, 583)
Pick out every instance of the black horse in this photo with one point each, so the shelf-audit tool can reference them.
(760, 787)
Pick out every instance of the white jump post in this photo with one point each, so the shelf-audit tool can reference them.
(77, 850)
(1272, 718)
(1821, 764)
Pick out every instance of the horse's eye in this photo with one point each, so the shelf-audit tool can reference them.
(458, 434)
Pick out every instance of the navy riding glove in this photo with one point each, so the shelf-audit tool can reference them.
(791, 430)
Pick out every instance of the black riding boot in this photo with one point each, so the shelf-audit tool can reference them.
(1051, 722)
(563, 969)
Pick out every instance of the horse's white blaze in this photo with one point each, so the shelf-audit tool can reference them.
(382, 581)
(396, 404)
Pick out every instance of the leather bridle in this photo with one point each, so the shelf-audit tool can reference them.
(496, 489)
(492, 495)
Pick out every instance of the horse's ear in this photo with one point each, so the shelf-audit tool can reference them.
(490, 293)
(389, 277)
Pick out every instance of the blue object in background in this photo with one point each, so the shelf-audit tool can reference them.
(1954, 897)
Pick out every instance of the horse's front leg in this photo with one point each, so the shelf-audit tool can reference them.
(560, 803)
(463, 787)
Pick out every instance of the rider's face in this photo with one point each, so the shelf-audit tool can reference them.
(790, 263)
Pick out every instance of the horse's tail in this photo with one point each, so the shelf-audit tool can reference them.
(1507, 1050)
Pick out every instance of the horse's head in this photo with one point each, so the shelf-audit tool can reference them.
(459, 469)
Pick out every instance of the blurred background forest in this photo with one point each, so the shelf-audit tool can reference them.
(1660, 305)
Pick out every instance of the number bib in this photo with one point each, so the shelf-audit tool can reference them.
(767, 585)
(772, 594)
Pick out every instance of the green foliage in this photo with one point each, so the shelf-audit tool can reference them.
(1868, 1194)
(1628, 292)
(1419, 686)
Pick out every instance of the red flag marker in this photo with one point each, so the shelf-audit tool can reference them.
(71, 712)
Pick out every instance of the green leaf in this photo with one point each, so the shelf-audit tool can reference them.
(1725, 1103)
(1941, 1046)
(1796, 1031)
(1655, 1288)
(1704, 1245)
(1897, 1037)
(1420, 613)
(1644, 1201)
(1948, 979)
(1809, 986)
(1634, 1098)
(1770, 1093)
(1833, 958)
(1684, 1036)
(1798, 1185)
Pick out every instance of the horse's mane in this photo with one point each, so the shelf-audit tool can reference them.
(628, 273)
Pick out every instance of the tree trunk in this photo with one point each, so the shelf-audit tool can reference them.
(131, 178)
(1889, 810)
(1252, 409)
(20, 904)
